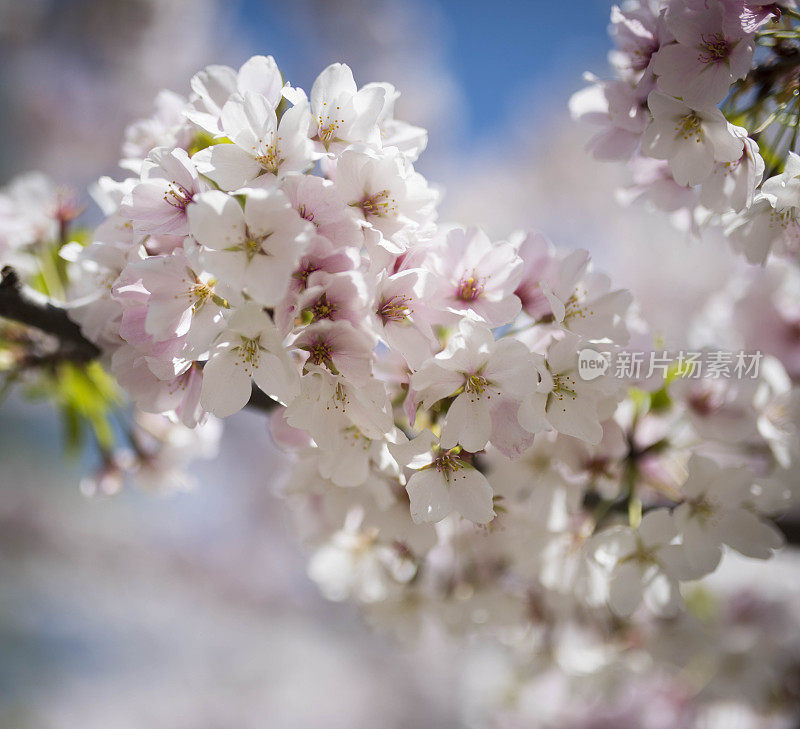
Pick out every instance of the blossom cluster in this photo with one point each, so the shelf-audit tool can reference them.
(691, 124)
(450, 461)
(643, 674)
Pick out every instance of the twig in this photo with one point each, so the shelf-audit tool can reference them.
(24, 306)
(21, 304)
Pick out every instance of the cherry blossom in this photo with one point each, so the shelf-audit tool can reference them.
(620, 112)
(100, 265)
(638, 33)
(563, 400)
(319, 201)
(339, 347)
(732, 185)
(334, 296)
(250, 349)
(182, 300)
(28, 205)
(401, 315)
(261, 144)
(167, 127)
(480, 373)
(717, 114)
(329, 404)
(690, 139)
(717, 511)
(645, 564)
(427, 378)
(342, 114)
(443, 482)
(351, 565)
(256, 247)
(771, 223)
(214, 86)
(708, 54)
(385, 191)
(580, 301)
(409, 139)
(157, 204)
(156, 385)
(477, 275)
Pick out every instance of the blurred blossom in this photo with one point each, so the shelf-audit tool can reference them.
(74, 74)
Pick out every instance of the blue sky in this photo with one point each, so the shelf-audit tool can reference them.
(495, 49)
(507, 47)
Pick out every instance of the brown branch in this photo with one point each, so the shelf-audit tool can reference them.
(789, 524)
(259, 400)
(24, 306)
(20, 304)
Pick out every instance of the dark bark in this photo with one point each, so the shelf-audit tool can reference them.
(20, 304)
(24, 306)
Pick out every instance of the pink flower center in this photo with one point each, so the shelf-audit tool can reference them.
(377, 205)
(394, 309)
(469, 288)
(446, 463)
(306, 214)
(323, 309)
(640, 56)
(303, 274)
(177, 196)
(713, 48)
(319, 353)
(704, 403)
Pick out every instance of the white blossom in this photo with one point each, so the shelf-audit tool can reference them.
(250, 349)
(254, 248)
(443, 482)
(690, 138)
(717, 511)
(708, 54)
(214, 85)
(563, 400)
(385, 191)
(480, 374)
(477, 275)
(342, 114)
(772, 222)
(644, 563)
(260, 143)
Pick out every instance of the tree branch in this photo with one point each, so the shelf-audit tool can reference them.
(259, 400)
(20, 304)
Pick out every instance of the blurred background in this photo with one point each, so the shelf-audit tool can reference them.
(193, 611)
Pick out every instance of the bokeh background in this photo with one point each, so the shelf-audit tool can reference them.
(193, 611)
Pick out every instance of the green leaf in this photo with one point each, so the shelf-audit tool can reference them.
(85, 396)
(202, 140)
(660, 400)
